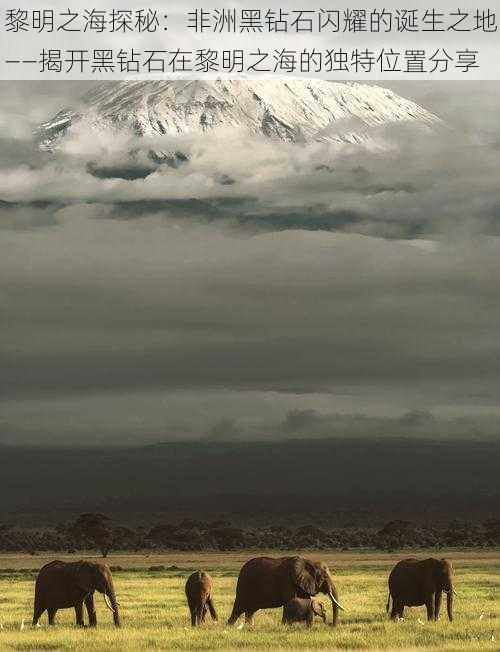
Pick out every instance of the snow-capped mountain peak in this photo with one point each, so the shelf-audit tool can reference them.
(294, 110)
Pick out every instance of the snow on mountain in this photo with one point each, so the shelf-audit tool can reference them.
(295, 110)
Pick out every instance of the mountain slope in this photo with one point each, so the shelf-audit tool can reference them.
(295, 110)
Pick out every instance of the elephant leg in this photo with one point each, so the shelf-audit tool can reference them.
(396, 609)
(89, 604)
(236, 613)
(309, 620)
(437, 604)
(211, 608)
(429, 605)
(37, 613)
(79, 614)
(200, 611)
(52, 614)
(192, 611)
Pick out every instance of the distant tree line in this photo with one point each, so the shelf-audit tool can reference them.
(98, 532)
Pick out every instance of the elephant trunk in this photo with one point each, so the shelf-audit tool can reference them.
(449, 603)
(111, 603)
(336, 606)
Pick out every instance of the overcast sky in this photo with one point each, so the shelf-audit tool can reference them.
(127, 319)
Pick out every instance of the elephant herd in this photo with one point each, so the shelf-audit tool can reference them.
(263, 583)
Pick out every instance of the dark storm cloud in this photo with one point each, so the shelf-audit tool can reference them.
(330, 279)
(309, 424)
(155, 304)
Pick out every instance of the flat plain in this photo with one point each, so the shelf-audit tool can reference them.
(150, 589)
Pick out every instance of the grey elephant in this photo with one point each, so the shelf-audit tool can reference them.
(268, 583)
(415, 582)
(199, 589)
(62, 585)
(303, 610)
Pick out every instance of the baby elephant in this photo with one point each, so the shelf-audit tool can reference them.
(303, 610)
(199, 596)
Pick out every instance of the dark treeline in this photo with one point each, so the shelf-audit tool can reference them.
(97, 531)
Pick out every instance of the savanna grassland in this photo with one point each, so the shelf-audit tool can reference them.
(155, 616)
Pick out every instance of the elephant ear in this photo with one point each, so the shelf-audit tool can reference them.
(84, 576)
(438, 566)
(304, 575)
(445, 568)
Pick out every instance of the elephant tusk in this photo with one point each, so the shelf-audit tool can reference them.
(332, 598)
(108, 603)
(451, 591)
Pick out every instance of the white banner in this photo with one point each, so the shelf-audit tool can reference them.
(329, 39)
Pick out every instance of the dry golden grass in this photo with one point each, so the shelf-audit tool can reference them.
(155, 615)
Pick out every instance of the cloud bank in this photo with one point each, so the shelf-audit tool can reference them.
(255, 286)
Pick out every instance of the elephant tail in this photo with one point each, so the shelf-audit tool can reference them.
(388, 602)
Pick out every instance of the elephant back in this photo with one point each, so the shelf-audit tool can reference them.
(199, 581)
